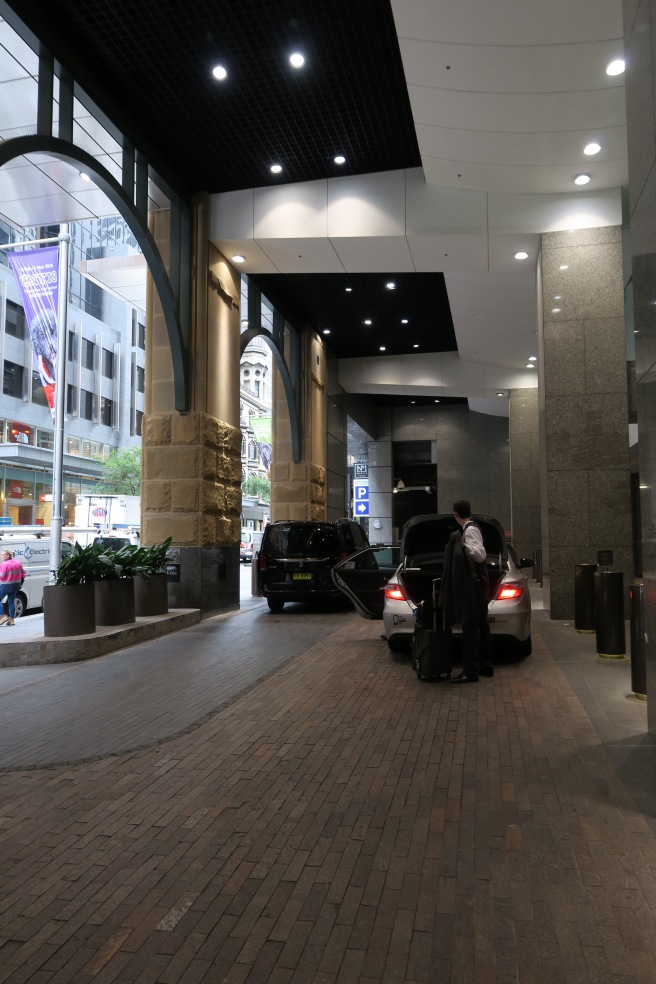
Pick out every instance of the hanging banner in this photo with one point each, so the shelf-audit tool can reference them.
(262, 429)
(37, 275)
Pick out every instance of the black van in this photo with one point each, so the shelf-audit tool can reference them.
(296, 559)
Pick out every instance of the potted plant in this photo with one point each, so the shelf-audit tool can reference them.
(69, 606)
(114, 586)
(151, 593)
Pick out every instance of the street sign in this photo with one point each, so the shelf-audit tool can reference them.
(361, 492)
(361, 470)
(362, 508)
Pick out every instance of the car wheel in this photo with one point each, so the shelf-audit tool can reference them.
(275, 604)
(19, 604)
(525, 648)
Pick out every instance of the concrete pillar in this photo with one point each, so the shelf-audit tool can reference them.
(379, 458)
(584, 409)
(524, 430)
(298, 489)
(191, 481)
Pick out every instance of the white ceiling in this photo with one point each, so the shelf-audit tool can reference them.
(504, 94)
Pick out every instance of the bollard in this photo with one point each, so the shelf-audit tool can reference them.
(609, 614)
(638, 653)
(584, 597)
(255, 581)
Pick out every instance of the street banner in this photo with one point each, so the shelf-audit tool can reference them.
(262, 431)
(37, 276)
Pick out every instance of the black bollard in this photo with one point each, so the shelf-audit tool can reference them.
(609, 614)
(584, 597)
(638, 653)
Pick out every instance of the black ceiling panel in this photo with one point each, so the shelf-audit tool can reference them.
(155, 57)
(323, 302)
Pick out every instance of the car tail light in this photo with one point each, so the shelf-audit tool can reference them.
(395, 592)
(509, 591)
(343, 555)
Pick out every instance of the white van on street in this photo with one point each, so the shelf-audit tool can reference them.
(33, 552)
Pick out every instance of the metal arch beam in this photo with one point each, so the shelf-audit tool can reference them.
(245, 339)
(70, 154)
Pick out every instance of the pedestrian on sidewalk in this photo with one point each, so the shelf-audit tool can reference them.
(12, 574)
(464, 594)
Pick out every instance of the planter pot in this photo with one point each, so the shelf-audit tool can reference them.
(69, 609)
(151, 595)
(115, 601)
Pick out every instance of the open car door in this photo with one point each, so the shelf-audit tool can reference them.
(362, 578)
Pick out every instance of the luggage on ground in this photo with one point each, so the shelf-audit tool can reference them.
(432, 650)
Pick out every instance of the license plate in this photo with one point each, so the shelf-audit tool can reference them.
(301, 577)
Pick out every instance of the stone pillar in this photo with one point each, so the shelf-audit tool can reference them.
(524, 430)
(191, 481)
(639, 38)
(379, 457)
(584, 431)
(298, 489)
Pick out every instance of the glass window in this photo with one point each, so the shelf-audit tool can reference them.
(108, 363)
(45, 439)
(141, 376)
(15, 320)
(38, 392)
(142, 336)
(88, 353)
(18, 433)
(71, 399)
(72, 346)
(72, 445)
(106, 408)
(257, 387)
(86, 404)
(138, 422)
(12, 379)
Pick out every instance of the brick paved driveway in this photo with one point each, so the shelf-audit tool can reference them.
(337, 822)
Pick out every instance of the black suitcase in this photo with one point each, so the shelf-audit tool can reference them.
(432, 649)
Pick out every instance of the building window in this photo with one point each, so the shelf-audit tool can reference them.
(88, 353)
(257, 387)
(138, 335)
(107, 363)
(15, 320)
(86, 404)
(138, 422)
(72, 346)
(71, 399)
(45, 439)
(12, 380)
(38, 392)
(18, 433)
(141, 379)
(106, 411)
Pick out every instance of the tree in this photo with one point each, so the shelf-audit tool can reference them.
(255, 485)
(121, 472)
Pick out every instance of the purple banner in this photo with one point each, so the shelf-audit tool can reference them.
(37, 276)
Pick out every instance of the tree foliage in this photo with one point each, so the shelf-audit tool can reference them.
(255, 485)
(121, 472)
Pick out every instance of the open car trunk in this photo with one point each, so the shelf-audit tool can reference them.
(423, 544)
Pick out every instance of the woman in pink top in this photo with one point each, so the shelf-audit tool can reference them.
(12, 573)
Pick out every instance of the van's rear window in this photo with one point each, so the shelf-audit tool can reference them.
(301, 541)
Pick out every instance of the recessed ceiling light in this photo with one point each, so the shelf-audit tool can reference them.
(238, 258)
(532, 358)
(219, 72)
(390, 285)
(436, 401)
(340, 159)
(382, 348)
(368, 321)
(521, 255)
(296, 60)
(555, 310)
(404, 321)
(582, 179)
(416, 345)
(348, 289)
(615, 67)
(592, 148)
(530, 366)
(84, 176)
(558, 297)
(276, 168)
(563, 266)
(326, 331)
(413, 401)
(501, 394)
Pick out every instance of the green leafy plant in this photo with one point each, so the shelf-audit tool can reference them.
(154, 558)
(82, 564)
(123, 563)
